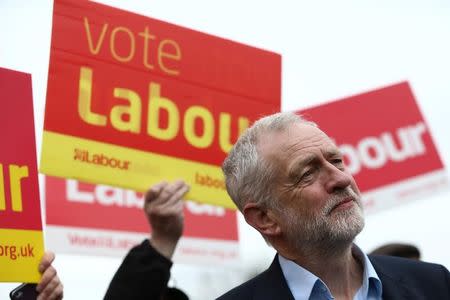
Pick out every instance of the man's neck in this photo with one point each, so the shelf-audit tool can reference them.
(337, 268)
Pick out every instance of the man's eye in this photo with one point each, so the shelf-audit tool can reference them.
(307, 174)
(337, 161)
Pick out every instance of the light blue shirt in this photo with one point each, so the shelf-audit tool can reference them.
(304, 285)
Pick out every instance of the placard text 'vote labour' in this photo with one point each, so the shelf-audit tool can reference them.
(129, 118)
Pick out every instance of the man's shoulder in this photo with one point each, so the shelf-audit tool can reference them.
(399, 265)
(411, 272)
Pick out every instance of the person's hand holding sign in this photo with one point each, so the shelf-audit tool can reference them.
(50, 286)
(145, 271)
(164, 210)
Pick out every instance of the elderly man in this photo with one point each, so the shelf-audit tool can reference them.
(288, 179)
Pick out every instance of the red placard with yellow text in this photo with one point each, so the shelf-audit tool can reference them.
(132, 100)
(21, 238)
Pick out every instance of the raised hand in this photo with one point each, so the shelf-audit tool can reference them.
(164, 210)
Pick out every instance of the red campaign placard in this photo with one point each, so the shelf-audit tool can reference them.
(382, 134)
(63, 116)
(105, 58)
(115, 36)
(134, 100)
(19, 190)
(70, 203)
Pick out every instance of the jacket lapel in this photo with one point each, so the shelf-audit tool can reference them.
(272, 284)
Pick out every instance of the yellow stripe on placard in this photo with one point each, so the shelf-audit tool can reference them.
(20, 253)
(102, 163)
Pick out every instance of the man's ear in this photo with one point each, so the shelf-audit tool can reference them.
(261, 219)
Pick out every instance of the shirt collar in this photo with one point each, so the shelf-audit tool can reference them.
(300, 281)
(371, 287)
(304, 284)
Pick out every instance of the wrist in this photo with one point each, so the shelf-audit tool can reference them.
(165, 246)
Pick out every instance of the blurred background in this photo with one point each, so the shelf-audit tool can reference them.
(330, 50)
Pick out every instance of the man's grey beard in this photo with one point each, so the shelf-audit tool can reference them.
(313, 231)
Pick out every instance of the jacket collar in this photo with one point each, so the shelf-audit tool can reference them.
(273, 284)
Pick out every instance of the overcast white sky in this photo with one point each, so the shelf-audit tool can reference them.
(330, 49)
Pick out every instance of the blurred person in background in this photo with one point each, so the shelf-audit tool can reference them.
(145, 271)
(288, 179)
(399, 250)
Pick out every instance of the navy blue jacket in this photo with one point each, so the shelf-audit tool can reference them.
(401, 279)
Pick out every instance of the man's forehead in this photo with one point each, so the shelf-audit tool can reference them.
(305, 134)
(296, 136)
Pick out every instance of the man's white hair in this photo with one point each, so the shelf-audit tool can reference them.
(248, 176)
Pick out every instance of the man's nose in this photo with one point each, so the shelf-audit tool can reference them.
(336, 179)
